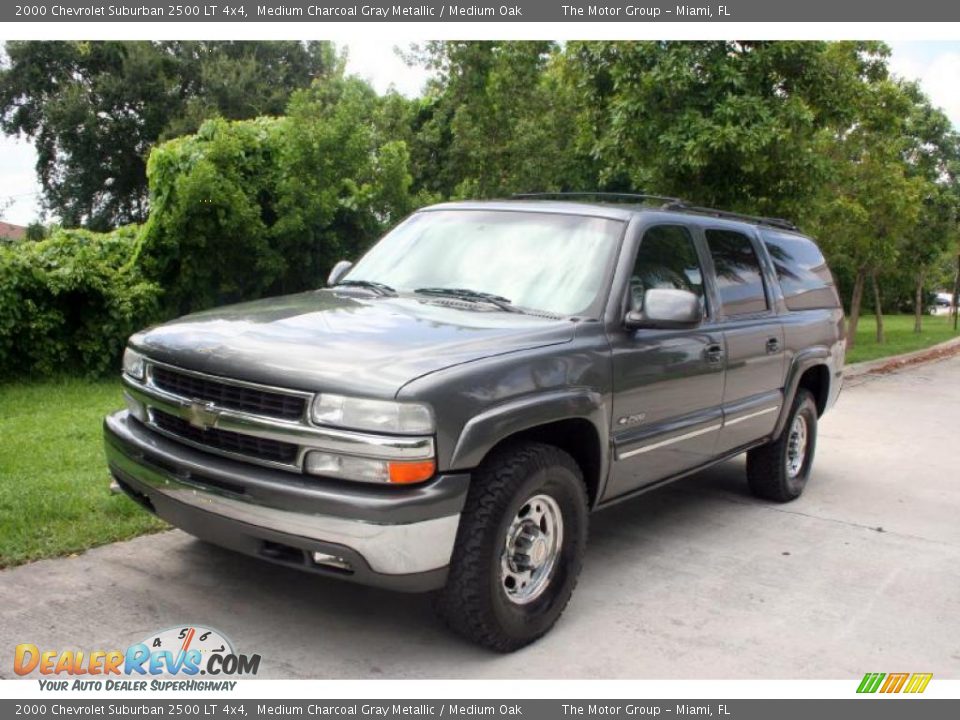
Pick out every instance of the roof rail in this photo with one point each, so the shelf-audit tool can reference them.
(728, 215)
(669, 203)
(608, 196)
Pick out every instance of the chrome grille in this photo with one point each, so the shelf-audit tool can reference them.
(227, 395)
(260, 448)
(262, 424)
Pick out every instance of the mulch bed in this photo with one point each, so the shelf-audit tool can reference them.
(929, 356)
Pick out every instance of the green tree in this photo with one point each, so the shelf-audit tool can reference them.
(873, 199)
(726, 124)
(932, 153)
(95, 109)
(37, 231)
(497, 118)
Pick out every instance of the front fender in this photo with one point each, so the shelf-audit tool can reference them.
(495, 424)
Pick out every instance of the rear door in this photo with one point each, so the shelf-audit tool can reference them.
(752, 335)
(668, 384)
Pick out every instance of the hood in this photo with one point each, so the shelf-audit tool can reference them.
(341, 341)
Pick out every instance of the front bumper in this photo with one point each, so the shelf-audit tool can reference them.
(394, 537)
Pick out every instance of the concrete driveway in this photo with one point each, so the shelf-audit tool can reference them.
(698, 580)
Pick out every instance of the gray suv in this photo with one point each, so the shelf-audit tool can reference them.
(446, 414)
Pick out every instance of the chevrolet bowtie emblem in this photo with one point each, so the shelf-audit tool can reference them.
(202, 415)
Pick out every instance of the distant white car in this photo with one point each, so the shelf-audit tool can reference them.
(941, 304)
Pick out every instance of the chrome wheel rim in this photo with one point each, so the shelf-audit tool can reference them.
(797, 446)
(531, 549)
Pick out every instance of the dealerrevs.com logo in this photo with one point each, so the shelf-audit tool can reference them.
(184, 652)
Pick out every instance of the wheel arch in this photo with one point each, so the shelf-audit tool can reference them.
(573, 421)
(810, 370)
(816, 379)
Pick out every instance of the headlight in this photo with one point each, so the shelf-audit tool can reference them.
(376, 415)
(133, 364)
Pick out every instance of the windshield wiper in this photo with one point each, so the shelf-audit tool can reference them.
(377, 287)
(471, 296)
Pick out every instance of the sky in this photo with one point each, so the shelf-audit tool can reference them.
(936, 65)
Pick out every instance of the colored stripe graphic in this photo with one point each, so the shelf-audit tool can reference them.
(918, 682)
(870, 682)
(894, 683)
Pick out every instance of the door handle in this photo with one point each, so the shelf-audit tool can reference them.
(773, 346)
(713, 353)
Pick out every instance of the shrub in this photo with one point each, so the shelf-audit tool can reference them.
(68, 303)
(238, 211)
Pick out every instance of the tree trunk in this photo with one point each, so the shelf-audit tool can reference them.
(877, 307)
(855, 301)
(918, 305)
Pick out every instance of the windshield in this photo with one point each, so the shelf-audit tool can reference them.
(541, 261)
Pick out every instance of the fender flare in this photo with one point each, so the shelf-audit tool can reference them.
(802, 361)
(497, 423)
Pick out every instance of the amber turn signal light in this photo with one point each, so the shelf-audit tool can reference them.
(404, 473)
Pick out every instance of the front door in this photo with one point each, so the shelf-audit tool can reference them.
(668, 384)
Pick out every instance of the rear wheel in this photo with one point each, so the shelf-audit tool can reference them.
(519, 547)
(780, 469)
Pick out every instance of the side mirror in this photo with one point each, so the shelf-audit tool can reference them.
(338, 271)
(666, 309)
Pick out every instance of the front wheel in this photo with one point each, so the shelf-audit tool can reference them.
(519, 547)
(780, 469)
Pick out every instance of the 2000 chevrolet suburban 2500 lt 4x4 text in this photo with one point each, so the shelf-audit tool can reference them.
(445, 414)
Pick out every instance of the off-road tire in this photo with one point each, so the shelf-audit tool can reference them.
(767, 472)
(474, 603)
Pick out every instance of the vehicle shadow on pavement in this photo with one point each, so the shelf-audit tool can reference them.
(366, 632)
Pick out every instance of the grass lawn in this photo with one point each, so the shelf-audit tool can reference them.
(54, 487)
(900, 337)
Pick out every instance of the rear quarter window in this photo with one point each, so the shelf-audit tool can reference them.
(802, 270)
(738, 274)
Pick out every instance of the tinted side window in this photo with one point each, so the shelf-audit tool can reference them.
(802, 271)
(667, 258)
(739, 278)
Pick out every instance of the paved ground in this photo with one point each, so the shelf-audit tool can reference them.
(697, 580)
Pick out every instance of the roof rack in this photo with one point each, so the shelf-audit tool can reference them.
(669, 203)
(728, 215)
(608, 196)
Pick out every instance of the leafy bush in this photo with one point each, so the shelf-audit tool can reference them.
(238, 211)
(68, 303)
(267, 206)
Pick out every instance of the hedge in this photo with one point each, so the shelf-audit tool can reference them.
(68, 303)
(238, 211)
